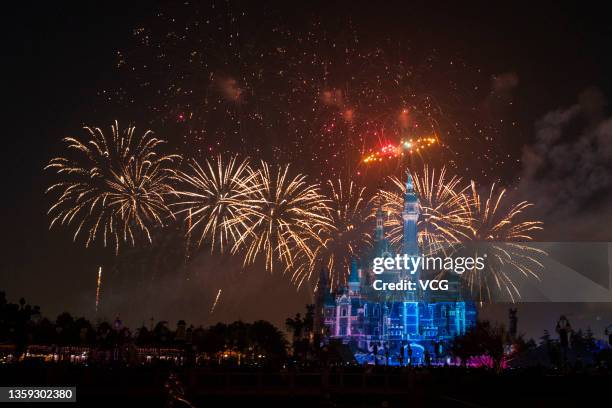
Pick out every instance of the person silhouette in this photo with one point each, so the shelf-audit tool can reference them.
(375, 351)
(564, 328)
(409, 355)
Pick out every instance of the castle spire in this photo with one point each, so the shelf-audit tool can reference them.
(409, 182)
(410, 216)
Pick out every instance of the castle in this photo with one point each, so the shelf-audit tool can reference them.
(411, 327)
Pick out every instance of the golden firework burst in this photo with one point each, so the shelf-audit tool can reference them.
(213, 199)
(500, 231)
(113, 186)
(285, 217)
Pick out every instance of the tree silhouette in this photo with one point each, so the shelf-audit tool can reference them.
(482, 339)
(295, 325)
(21, 324)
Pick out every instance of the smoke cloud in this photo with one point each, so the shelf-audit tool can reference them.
(567, 172)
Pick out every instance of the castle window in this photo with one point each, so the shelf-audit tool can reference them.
(343, 312)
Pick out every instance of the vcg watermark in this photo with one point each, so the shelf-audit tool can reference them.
(412, 264)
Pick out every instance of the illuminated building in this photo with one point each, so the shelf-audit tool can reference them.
(403, 327)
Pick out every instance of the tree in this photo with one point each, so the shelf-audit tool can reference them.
(213, 339)
(104, 336)
(143, 336)
(44, 332)
(161, 333)
(295, 325)
(309, 319)
(267, 339)
(482, 339)
(84, 330)
(237, 336)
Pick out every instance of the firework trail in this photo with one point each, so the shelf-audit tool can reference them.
(212, 309)
(285, 216)
(213, 199)
(349, 214)
(500, 224)
(98, 285)
(445, 217)
(113, 186)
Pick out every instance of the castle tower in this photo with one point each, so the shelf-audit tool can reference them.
(410, 244)
(325, 310)
(381, 244)
(354, 281)
(410, 215)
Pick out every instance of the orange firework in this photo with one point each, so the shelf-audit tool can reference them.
(212, 309)
(404, 148)
(98, 284)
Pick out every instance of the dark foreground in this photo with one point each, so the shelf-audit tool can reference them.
(350, 387)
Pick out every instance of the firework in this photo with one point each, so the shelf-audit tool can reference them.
(404, 148)
(445, 216)
(214, 198)
(349, 233)
(231, 80)
(98, 284)
(285, 216)
(454, 215)
(113, 186)
(212, 309)
(493, 221)
(500, 224)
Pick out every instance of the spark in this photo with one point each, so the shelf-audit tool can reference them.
(494, 221)
(404, 148)
(285, 216)
(445, 217)
(113, 186)
(285, 82)
(455, 216)
(213, 198)
(212, 309)
(98, 285)
(349, 214)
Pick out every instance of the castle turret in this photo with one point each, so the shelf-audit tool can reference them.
(354, 281)
(381, 244)
(324, 307)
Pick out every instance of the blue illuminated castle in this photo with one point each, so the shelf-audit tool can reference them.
(407, 327)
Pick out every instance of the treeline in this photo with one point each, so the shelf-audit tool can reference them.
(23, 324)
(504, 349)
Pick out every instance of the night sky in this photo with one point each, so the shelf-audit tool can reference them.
(493, 73)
